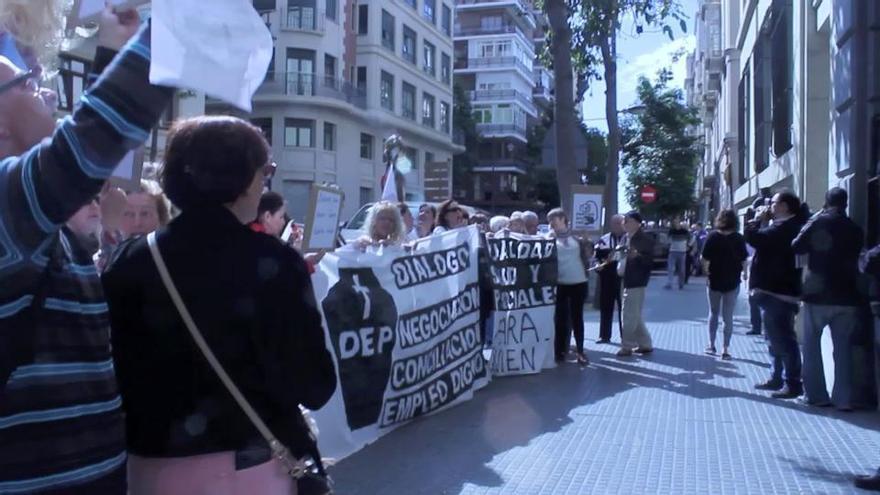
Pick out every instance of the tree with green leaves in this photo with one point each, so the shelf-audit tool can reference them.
(659, 150)
(583, 39)
(464, 130)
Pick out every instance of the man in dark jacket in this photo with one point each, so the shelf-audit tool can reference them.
(832, 297)
(775, 282)
(637, 272)
(870, 265)
(609, 280)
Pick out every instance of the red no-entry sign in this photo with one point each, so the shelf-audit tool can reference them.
(649, 194)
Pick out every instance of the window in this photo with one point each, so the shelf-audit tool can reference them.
(781, 90)
(366, 146)
(329, 136)
(301, 14)
(428, 11)
(331, 9)
(329, 71)
(361, 78)
(299, 133)
(445, 68)
(411, 3)
(363, 18)
(428, 53)
(387, 30)
(409, 101)
(265, 126)
(504, 114)
(427, 110)
(482, 115)
(444, 117)
(447, 20)
(409, 45)
(386, 91)
(429, 158)
(366, 195)
(490, 22)
(300, 72)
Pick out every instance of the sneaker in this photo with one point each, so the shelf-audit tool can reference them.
(644, 350)
(726, 356)
(788, 392)
(710, 349)
(805, 402)
(603, 341)
(624, 352)
(770, 385)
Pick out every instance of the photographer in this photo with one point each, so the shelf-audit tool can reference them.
(775, 282)
(831, 297)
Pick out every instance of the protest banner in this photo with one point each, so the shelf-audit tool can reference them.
(403, 328)
(523, 270)
(322, 220)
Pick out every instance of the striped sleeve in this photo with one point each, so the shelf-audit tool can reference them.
(44, 187)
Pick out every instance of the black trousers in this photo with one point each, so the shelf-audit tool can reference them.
(609, 295)
(569, 316)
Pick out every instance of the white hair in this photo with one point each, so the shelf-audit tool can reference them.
(529, 215)
(517, 215)
(498, 223)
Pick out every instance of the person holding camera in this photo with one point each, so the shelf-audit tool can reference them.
(775, 282)
(831, 297)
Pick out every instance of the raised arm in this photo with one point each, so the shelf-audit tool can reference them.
(42, 188)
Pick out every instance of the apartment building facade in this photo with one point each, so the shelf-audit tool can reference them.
(346, 75)
(496, 64)
(789, 101)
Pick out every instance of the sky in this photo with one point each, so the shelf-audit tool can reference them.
(640, 55)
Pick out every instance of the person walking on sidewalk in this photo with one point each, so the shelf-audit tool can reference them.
(832, 297)
(679, 245)
(609, 280)
(724, 257)
(776, 283)
(636, 267)
(573, 253)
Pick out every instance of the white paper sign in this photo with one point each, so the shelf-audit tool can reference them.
(326, 220)
(222, 48)
(587, 212)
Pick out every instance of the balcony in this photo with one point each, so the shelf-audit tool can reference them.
(298, 84)
(503, 95)
(302, 21)
(492, 63)
(502, 165)
(486, 30)
(541, 94)
(500, 130)
(522, 8)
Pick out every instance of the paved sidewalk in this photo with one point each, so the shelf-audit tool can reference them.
(677, 422)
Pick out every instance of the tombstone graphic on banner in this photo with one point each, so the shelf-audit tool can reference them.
(361, 320)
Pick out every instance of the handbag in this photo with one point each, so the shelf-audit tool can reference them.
(310, 477)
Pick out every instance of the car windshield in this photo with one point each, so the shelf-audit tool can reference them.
(360, 218)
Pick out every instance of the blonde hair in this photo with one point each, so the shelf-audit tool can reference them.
(36, 24)
(151, 188)
(398, 235)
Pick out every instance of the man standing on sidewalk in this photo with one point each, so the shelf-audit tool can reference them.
(831, 297)
(637, 265)
(870, 265)
(609, 280)
(775, 282)
(679, 245)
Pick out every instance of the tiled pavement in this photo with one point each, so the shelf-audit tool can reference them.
(677, 422)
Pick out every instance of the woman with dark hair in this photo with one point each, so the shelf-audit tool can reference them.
(252, 300)
(573, 255)
(449, 216)
(724, 261)
(426, 221)
(271, 214)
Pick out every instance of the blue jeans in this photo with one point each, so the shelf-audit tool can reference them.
(778, 317)
(843, 322)
(675, 267)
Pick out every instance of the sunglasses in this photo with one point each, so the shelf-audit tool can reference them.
(27, 79)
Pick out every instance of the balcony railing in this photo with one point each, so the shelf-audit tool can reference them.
(303, 20)
(501, 95)
(308, 84)
(541, 92)
(481, 30)
(492, 63)
(518, 129)
(523, 5)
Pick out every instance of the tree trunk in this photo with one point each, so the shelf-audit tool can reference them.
(564, 109)
(608, 46)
